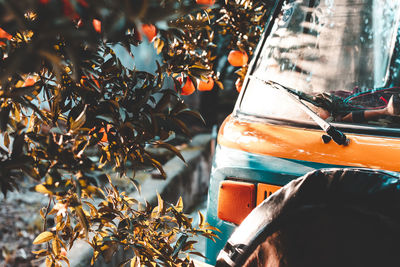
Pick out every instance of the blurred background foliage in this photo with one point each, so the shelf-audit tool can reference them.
(71, 113)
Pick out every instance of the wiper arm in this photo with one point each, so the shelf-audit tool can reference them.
(336, 135)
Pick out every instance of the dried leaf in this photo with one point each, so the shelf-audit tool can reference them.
(82, 219)
(158, 165)
(6, 140)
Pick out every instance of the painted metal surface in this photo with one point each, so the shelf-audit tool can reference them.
(234, 163)
(367, 151)
(276, 154)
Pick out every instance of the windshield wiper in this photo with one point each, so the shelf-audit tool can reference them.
(336, 135)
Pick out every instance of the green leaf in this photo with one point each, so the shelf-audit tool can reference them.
(32, 172)
(179, 245)
(192, 113)
(79, 121)
(171, 148)
(123, 263)
(4, 118)
(43, 237)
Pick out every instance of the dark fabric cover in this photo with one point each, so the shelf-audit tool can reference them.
(331, 217)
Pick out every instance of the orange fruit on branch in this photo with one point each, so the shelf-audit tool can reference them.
(29, 82)
(206, 86)
(188, 87)
(4, 35)
(150, 31)
(104, 138)
(237, 58)
(84, 81)
(97, 25)
(205, 2)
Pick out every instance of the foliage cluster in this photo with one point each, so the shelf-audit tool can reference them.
(71, 113)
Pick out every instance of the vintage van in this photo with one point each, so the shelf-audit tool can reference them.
(322, 91)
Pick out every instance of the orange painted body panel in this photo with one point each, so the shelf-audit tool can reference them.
(306, 144)
(264, 191)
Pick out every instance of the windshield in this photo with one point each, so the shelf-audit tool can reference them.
(337, 54)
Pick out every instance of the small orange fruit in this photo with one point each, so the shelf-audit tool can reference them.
(206, 86)
(150, 31)
(84, 80)
(188, 87)
(205, 2)
(104, 139)
(29, 82)
(97, 25)
(5, 35)
(237, 58)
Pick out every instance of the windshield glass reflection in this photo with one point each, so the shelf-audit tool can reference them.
(333, 51)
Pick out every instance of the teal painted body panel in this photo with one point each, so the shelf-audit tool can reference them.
(233, 163)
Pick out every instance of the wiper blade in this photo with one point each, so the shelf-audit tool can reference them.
(336, 135)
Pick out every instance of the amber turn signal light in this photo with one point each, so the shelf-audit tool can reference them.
(235, 200)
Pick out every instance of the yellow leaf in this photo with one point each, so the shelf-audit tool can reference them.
(65, 259)
(39, 252)
(56, 247)
(201, 220)
(43, 237)
(49, 262)
(79, 121)
(17, 115)
(159, 44)
(19, 84)
(41, 213)
(179, 205)
(42, 189)
(134, 262)
(161, 208)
